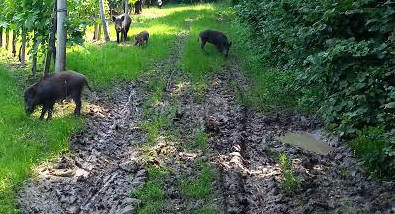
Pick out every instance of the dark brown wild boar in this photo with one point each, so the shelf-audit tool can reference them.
(55, 87)
(142, 38)
(122, 25)
(138, 6)
(216, 38)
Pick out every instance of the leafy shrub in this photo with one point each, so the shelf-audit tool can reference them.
(341, 54)
(374, 148)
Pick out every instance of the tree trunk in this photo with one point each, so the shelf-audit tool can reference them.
(14, 36)
(104, 21)
(99, 33)
(22, 51)
(1, 37)
(51, 44)
(60, 64)
(95, 33)
(7, 38)
(126, 6)
(34, 55)
(54, 26)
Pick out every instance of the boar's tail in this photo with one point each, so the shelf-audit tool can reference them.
(87, 85)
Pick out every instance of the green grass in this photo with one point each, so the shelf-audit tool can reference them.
(199, 187)
(201, 64)
(290, 183)
(152, 193)
(25, 141)
(202, 140)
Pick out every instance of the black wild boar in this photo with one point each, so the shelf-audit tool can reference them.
(142, 38)
(216, 38)
(55, 87)
(138, 7)
(122, 25)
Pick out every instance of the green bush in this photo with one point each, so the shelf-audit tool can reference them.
(374, 148)
(341, 54)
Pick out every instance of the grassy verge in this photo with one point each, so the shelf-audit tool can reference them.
(25, 141)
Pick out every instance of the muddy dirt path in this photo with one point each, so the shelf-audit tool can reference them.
(247, 155)
(100, 171)
(106, 162)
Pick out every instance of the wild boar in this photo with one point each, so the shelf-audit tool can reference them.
(216, 38)
(53, 88)
(138, 7)
(122, 25)
(142, 38)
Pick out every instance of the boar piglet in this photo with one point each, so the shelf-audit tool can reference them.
(55, 87)
(216, 38)
(122, 25)
(142, 38)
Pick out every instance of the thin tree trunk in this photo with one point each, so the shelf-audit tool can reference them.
(34, 55)
(7, 38)
(104, 21)
(51, 40)
(126, 6)
(14, 36)
(54, 28)
(48, 57)
(95, 33)
(22, 52)
(60, 64)
(99, 33)
(1, 37)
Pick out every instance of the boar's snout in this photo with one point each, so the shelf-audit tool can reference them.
(29, 110)
(118, 28)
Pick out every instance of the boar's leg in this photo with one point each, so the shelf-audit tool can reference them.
(117, 37)
(126, 35)
(50, 110)
(203, 44)
(43, 111)
(77, 101)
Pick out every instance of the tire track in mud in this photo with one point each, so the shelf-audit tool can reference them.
(226, 121)
(100, 171)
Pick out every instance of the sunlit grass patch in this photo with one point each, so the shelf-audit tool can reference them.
(152, 193)
(199, 187)
(25, 141)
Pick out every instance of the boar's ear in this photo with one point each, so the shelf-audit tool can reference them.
(122, 18)
(113, 18)
(31, 91)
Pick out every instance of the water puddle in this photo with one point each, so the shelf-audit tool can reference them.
(307, 142)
